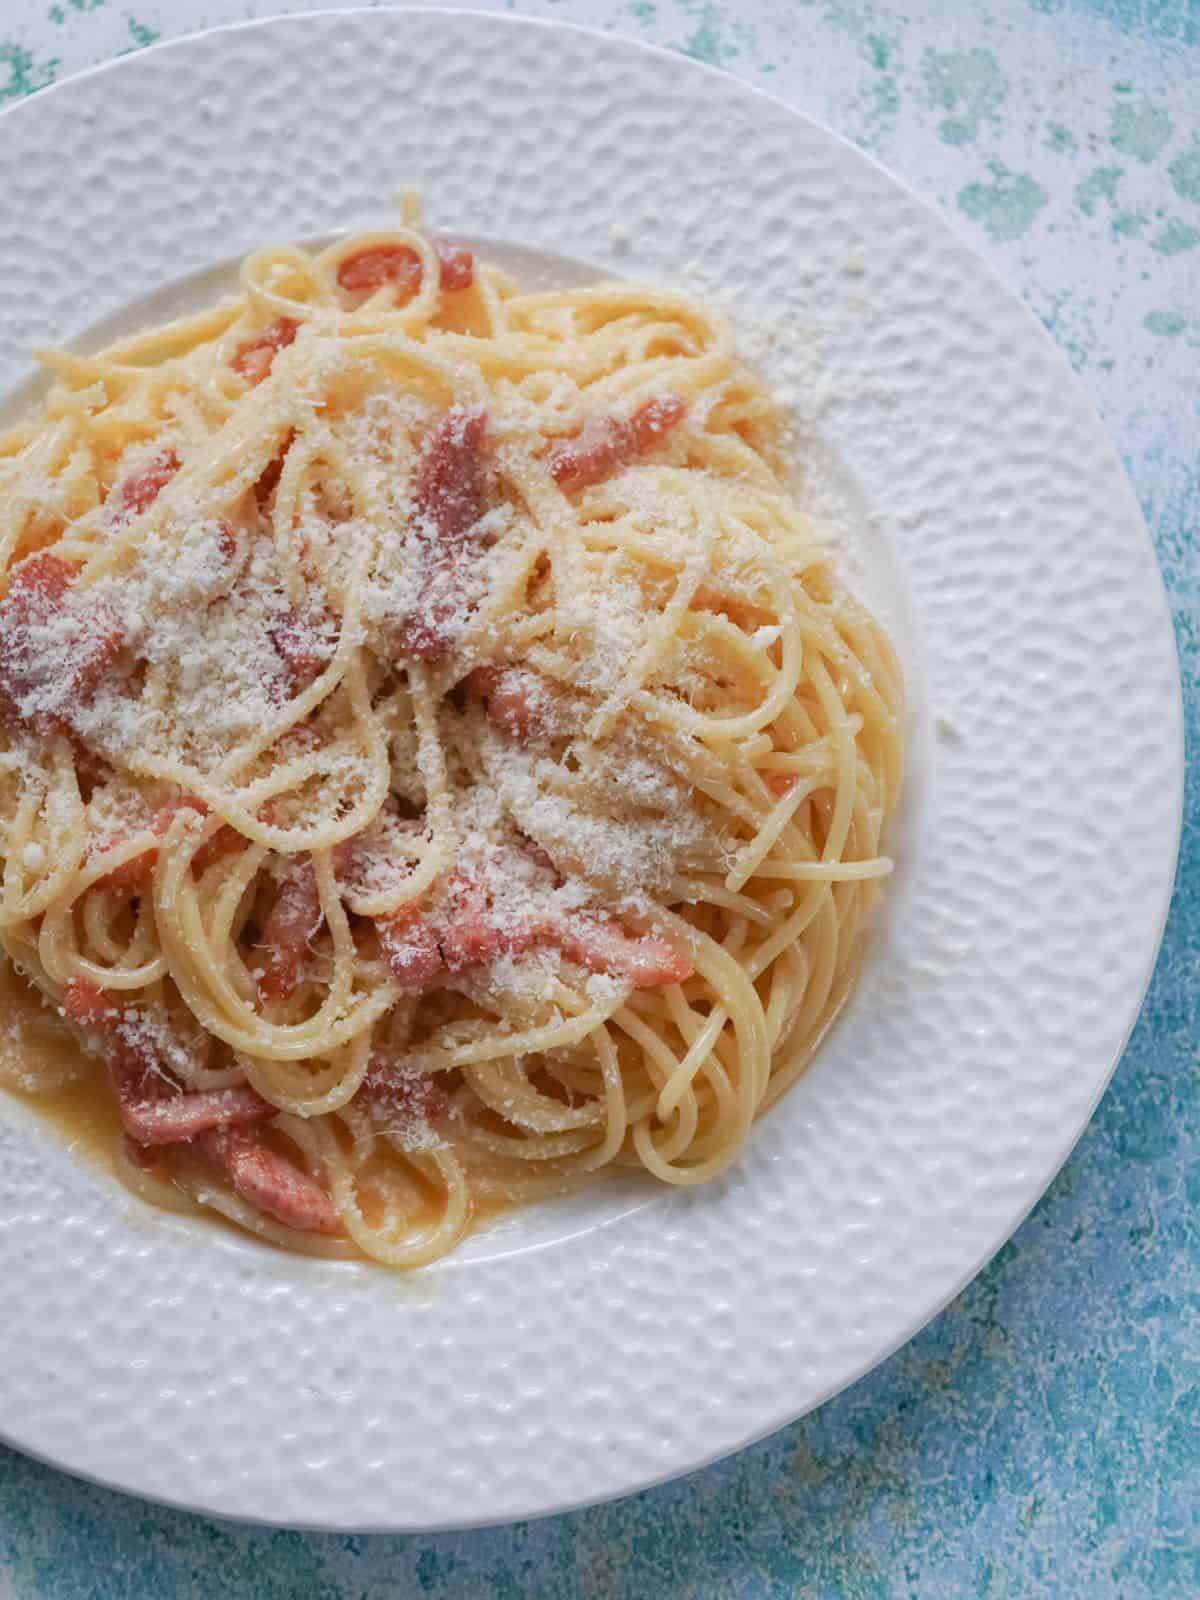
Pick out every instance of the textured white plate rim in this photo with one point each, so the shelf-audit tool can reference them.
(1068, 1134)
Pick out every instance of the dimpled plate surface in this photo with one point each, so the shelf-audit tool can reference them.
(599, 1347)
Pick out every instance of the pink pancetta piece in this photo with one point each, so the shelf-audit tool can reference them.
(143, 486)
(299, 648)
(604, 444)
(471, 937)
(224, 1123)
(154, 1111)
(467, 931)
(177, 1118)
(409, 942)
(449, 482)
(472, 933)
(429, 634)
(133, 1062)
(132, 876)
(270, 1182)
(403, 1097)
(253, 358)
(35, 591)
(270, 474)
(214, 847)
(378, 264)
(603, 946)
(456, 265)
(290, 924)
(42, 579)
(448, 499)
(38, 685)
(515, 700)
(422, 945)
(86, 1004)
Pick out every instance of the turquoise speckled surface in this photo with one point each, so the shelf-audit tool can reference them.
(1041, 1437)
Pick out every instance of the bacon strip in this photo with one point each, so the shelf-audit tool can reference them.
(104, 641)
(253, 358)
(402, 1096)
(515, 700)
(448, 495)
(449, 481)
(377, 264)
(179, 1117)
(133, 875)
(429, 634)
(270, 1182)
(224, 1123)
(604, 444)
(472, 933)
(134, 1065)
(421, 946)
(41, 579)
(143, 487)
(290, 924)
(456, 265)
(35, 590)
(214, 847)
(85, 1004)
(603, 946)
(152, 1111)
(410, 947)
(299, 648)
(31, 674)
(270, 474)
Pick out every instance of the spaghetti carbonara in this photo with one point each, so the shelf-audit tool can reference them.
(437, 760)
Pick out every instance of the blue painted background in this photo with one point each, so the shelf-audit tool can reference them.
(1042, 1437)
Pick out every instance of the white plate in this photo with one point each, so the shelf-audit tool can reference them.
(593, 1347)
